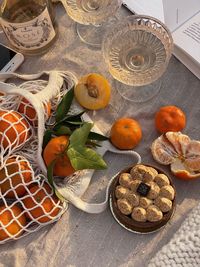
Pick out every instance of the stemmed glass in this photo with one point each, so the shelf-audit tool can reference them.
(137, 51)
(91, 16)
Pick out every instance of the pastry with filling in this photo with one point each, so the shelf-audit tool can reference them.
(124, 206)
(154, 214)
(167, 191)
(164, 204)
(161, 180)
(139, 214)
(125, 179)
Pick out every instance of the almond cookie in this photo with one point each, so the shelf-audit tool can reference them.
(133, 199)
(121, 192)
(164, 204)
(124, 206)
(145, 202)
(161, 180)
(154, 191)
(167, 191)
(134, 185)
(125, 179)
(154, 214)
(139, 214)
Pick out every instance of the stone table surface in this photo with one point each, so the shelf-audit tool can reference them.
(84, 240)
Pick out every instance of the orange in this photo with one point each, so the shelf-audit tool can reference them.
(10, 177)
(56, 150)
(125, 133)
(40, 204)
(180, 152)
(14, 227)
(93, 91)
(29, 112)
(14, 128)
(170, 118)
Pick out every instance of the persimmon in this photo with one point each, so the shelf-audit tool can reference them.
(13, 220)
(125, 133)
(15, 176)
(56, 150)
(41, 205)
(14, 128)
(29, 111)
(170, 118)
(93, 91)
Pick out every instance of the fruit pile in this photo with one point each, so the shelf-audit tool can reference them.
(28, 200)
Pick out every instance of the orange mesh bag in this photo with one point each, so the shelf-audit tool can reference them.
(27, 200)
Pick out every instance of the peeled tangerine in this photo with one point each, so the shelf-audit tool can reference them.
(93, 91)
(180, 152)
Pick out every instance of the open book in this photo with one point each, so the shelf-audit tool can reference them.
(183, 19)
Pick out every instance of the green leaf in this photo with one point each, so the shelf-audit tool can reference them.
(50, 173)
(63, 130)
(47, 137)
(85, 158)
(97, 136)
(80, 135)
(64, 105)
(50, 180)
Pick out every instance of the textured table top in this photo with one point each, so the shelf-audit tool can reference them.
(81, 239)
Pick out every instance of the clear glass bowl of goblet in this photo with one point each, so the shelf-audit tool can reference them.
(91, 17)
(137, 51)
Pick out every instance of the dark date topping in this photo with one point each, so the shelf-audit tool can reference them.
(143, 189)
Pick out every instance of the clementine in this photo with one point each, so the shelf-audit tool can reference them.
(29, 112)
(14, 128)
(15, 176)
(40, 204)
(170, 118)
(125, 133)
(12, 220)
(56, 150)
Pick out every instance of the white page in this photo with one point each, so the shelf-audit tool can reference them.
(152, 8)
(187, 37)
(176, 12)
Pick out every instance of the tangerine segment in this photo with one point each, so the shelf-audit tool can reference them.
(14, 128)
(12, 221)
(93, 91)
(192, 156)
(125, 133)
(56, 150)
(41, 205)
(170, 118)
(181, 171)
(14, 177)
(162, 151)
(26, 108)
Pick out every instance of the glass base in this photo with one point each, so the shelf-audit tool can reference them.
(138, 94)
(90, 34)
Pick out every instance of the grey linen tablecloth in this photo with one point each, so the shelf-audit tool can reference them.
(81, 239)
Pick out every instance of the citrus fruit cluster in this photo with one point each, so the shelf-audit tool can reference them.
(25, 201)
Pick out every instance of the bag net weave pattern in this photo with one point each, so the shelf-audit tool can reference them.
(27, 201)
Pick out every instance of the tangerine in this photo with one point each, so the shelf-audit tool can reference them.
(41, 204)
(12, 221)
(56, 150)
(29, 111)
(93, 91)
(15, 176)
(125, 133)
(170, 118)
(14, 128)
(180, 152)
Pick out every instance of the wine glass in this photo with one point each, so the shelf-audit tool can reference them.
(137, 51)
(91, 16)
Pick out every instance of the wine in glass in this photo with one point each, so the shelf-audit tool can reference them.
(91, 16)
(137, 51)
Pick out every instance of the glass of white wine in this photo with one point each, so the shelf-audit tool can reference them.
(92, 17)
(137, 51)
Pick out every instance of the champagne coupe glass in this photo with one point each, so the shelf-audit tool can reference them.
(137, 51)
(91, 16)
